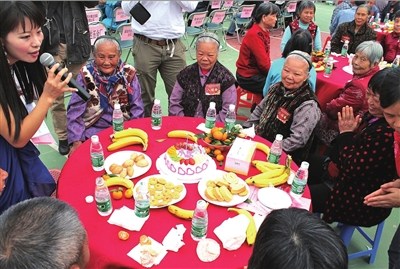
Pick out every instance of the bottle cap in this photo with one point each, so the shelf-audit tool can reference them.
(346, 42)
(156, 101)
(232, 107)
(99, 181)
(304, 165)
(212, 104)
(117, 106)
(201, 204)
(279, 137)
(94, 138)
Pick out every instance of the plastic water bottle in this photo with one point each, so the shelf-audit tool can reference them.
(230, 118)
(211, 116)
(386, 18)
(199, 221)
(156, 115)
(102, 197)
(345, 48)
(117, 118)
(96, 154)
(276, 150)
(396, 62)
(328, 67)
(142, 201)
(300, 180)
(378, 19)
(327, 51)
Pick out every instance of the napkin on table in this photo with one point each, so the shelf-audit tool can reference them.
(135, 253)
(173, 240)
(126, 218)
(232, 232)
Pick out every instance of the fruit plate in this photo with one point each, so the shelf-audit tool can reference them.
(165, 192)
(274, 198)
(121, 156)
(220, 147)
(163, 169)
(202, 186)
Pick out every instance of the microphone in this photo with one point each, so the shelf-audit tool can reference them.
(47, 59)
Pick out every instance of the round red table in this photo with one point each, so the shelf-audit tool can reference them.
(77, 180)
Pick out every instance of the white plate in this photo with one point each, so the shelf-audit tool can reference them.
(348, 69)
(202, 186)
(212, 167)
(274, 198)
(145, 180)
(121, 156)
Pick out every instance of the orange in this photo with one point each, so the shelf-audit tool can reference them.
(207, 140)
(224, 136)
(218, 135)
(123, 235)
(116, 195)
(214, 129)
(128, 193)
(220, 157)
(208, 150)
(217, 152)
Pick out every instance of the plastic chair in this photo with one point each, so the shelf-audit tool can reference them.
(124, 34)
(215, 23)
(196, 28)
(246, 99)
(113, 20)
(243, 20)
(93, 14)
(347, 232)
(96, 29)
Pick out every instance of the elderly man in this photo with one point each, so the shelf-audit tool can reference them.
(203, 82)
(42, 233)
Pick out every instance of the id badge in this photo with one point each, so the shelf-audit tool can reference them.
(213, 89)
(283, 115)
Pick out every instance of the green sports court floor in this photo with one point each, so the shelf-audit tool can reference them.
(53, 159)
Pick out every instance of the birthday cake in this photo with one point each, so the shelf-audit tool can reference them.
(186, 159)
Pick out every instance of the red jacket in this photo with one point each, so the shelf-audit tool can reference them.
(254, 52)
(391, 46)
(353, 94)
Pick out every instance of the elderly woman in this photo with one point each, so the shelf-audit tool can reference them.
(109, 81)
(300, 40)
(355, 164)
(355, 31)
(305, 12)
(205, 81)
(254, 55)
(365, 64)
(290, 108)
(391, 41)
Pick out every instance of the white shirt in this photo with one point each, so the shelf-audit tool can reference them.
(166, 21)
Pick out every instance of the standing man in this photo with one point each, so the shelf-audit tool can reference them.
(67, 38)
(157, 45)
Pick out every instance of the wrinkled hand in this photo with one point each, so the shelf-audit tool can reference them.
(55, 85)
(346, 120)
(75, 145)
(387, 196)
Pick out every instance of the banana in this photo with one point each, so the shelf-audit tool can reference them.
(127, 141)
(267, 165)
(265, 180)
(180, 212)
(264, 148)
(112, 181)
(183, 134)
(132, 132)
(251, 230)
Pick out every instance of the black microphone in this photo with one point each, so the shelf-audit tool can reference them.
(47, 59)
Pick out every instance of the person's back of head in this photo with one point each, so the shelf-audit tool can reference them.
(295, 238)
(42, 233)
(300, 40)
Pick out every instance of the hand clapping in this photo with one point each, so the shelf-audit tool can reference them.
(346, 120)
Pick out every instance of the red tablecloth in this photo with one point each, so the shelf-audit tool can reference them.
(77, 180)
(329, 88)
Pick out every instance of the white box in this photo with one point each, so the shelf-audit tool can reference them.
(240, 155)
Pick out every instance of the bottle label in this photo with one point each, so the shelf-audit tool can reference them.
(273, 158)
(328, 70)
(142, 209)
(103, 206)
(118, 125)
(210, 124)
(199, 231)
(229, 126)
(97, 160)
(344, 51)
(156, 121)
(298, 186)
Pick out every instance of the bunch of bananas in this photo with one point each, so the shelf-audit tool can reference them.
(127, 137)
(119, 181)
(183, 134)
(251, 230)
(271, 174)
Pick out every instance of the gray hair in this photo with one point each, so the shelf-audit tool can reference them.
(301, 55)
(208, 37)
(41, 233)
(363, 6)
(106, 39)
(372, 49)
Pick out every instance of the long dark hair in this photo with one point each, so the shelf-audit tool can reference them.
(264, 9)
(390, 88)
(31, 76)
(300, 40)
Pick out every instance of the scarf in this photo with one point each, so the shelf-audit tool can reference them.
(312, 27)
